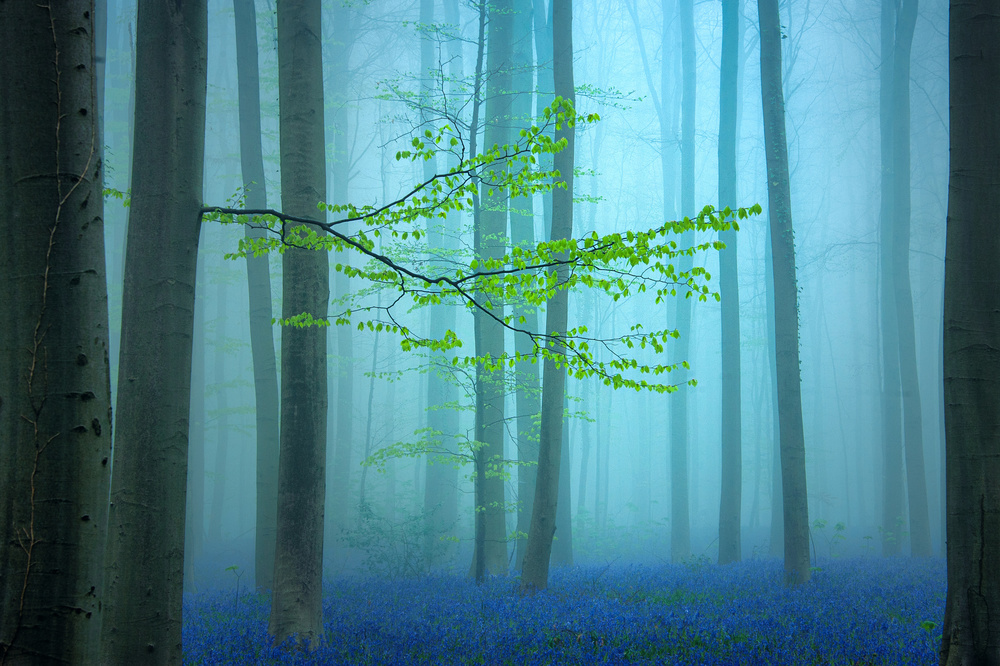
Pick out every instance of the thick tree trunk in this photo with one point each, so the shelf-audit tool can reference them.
(492, 242)
(142, 622)
(265, 375)
(786, 310)
(296, 605)
(535, 572)
(732, 454)
(971, 633)
(55, 397)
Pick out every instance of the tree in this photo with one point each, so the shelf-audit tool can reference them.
(265, 380)
(732, 455)
(490, 242)
(901, 389)
(971, 633)
(535, 571)
(297, 601)
(786, 309)
(55, 398)
(142, 622)
(680, 518)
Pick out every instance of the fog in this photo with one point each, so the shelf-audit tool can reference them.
(616, 442)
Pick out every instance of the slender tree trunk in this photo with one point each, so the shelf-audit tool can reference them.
(732, 422)
(296, 604)
(142, 622)
(492, 232)
(441, 478)
(680, 536)
(913, 436)
(777, 499)
(343, 441)
(265, 375)
(562, 547)
(971, 633)
(892, 436)
(535, 572)
(522, 233)
(221, 421)
(786, 310)
(55, 396)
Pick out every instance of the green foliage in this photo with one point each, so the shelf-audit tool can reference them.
(622, 265)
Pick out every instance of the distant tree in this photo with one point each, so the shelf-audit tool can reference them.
(265, 374)
(732, 455)
(786, 312)
(142, 622)
(901, 388)
(297, 599)
(55, 400)
(971, 633)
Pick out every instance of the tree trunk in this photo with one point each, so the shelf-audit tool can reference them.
(341, 503)
(296, 605)
(786, 309)
(535, 573)
(194, 510)
(971, 633)
(265, 376)
(680, 534)
(142, 622)
(913, 436)
(892, 436)
(522, 233)
(732, 422)
(562, 548)
(441, 478)
(55, 397)
(492, 242)
(221, 421)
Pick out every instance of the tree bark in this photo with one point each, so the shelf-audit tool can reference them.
(142, 622)
(492, 242)
(535, 572)
(732, 454)
(265, 375)
(55, 396)
(971, 633)
(913, 436)
(786, 310)
(522, 233)
(680, 519)
(296, 604)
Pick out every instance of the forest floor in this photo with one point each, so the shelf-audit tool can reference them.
(853, 611)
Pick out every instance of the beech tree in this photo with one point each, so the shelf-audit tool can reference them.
(971, 633)
(55, 396)
(142, 622)
(786, 310)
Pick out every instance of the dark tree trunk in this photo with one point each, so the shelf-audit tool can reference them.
(265, 375)
(786, 310)
(732, 454)
(55, 397)
(142, 622)
(535, 573)
(971, 633)
(194, 521)
(296, 605)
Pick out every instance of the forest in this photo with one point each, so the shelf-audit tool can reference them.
(499, 332)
